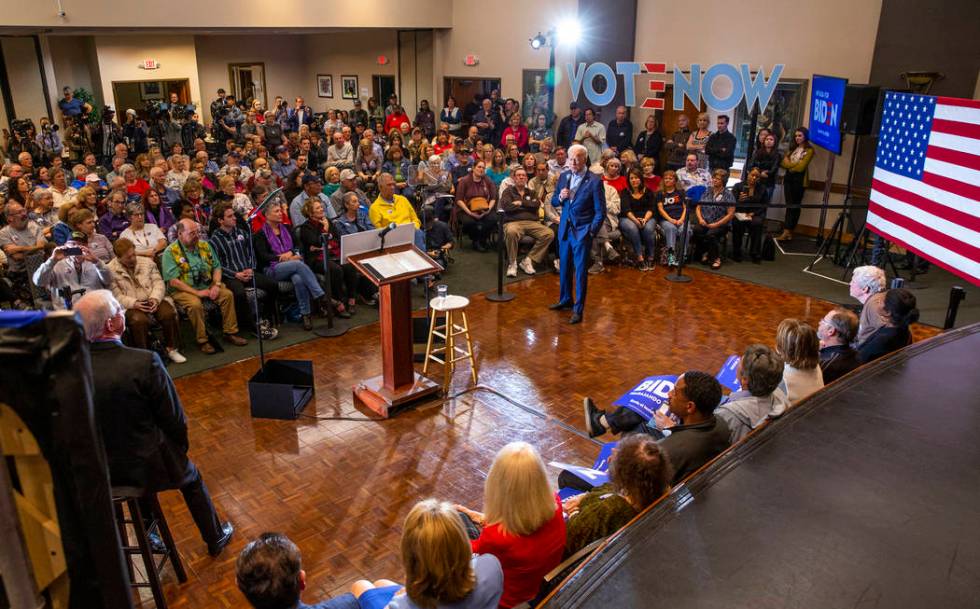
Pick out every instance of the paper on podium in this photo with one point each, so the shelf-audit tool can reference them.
(397, 263)
(358, 243)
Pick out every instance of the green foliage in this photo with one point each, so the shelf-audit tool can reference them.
(86, 96)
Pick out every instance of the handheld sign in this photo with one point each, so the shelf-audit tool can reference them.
(602, 461)
(728, 376)
(592, 476)
(649, 396)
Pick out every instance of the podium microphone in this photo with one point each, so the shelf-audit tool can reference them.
(384, 232)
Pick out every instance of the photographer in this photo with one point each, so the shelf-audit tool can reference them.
(217, 105)
(191, 130)
(71, 271)
(229, 120)
(106, 135)
(136, 133)
(48, 140)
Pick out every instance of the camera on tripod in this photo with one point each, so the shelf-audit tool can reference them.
(22, 127)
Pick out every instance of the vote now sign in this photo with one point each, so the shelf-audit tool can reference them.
(697, 86)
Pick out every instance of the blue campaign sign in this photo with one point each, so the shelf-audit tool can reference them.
(826, 105)
(649, 396)
(728, 376)
(602, 461)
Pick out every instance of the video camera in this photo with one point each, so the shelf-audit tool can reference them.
(22, 127)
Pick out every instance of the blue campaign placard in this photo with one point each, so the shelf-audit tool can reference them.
(649, 396)
(602, 461)
(728, 376)
(826, 107)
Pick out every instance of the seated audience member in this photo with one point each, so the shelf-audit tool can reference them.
(20, 239)
(523, 525)
(144, 429)
(193, 274)
(612, 174)
(836, 331)
(497, 169)
(518, 131)
(608, 232)
(368, 164)
(157, 213)
(331, 181)
(340, 154)
(647, 167)
(749, 194)
(672, 210)
(392, 208)
(797, 344)
(312, 189)
(230, 242)
(899, 312)
(115, 220)
(441, 570)
(692, 175)
(348, 183)
(138, 287)
(521, 207)
(184, 210)
(68, 276)
(83, 221)
(639, 475)
(476, 198)
(438, 241)
(760, 372)
(401, 169)
(345, 280)
(867, 286)
(135, 185)
(714, 213)
(270, 574)
(42, 211)
(144, 236)
(636, 220)
(699, 438)
(88, 199)
(276, 258)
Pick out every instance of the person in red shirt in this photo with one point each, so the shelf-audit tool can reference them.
(134, 185)
(612, 174)
(396, 118)
(519, 131)
(523, 525)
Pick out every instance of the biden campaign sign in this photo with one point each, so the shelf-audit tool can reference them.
(649, 396)
(826, 105)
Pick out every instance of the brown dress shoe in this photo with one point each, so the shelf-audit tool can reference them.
(236, 340)
(206, 348)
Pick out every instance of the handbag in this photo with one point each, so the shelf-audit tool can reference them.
(479, 204)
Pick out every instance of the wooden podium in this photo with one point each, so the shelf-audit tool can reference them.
(392, 270)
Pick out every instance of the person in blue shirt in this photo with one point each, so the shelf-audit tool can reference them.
(71, 106)
(270, 574)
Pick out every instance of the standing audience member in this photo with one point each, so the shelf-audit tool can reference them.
(867, 286)
(639, 475)
(142, 421)
(592, 135)
(760, 373)
(766, 159)
(139, 288)
(649, 141)
(899, 313)
(720, 146)
(452, 117)
(699, 139)
(619, 133)
(523, 524)
(795, 162)
(193, 275)
(568, 126)
(677, 144)
(714, 213)
(269, 572)
(798, 345)
(835, 332)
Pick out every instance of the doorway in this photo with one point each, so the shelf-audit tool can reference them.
(248, 82)
(466, 91)
(382, 87)
(139, 94)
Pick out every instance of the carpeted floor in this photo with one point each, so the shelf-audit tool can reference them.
(475, 273)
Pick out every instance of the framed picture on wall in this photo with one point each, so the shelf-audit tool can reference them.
(348, 87)
(151, 90)
(534, 98)
(324, 85)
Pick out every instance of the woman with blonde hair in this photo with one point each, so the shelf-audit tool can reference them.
(522, 525)
(440, 568)
(798, 345)
(699, 139)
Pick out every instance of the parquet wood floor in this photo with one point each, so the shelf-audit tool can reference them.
(340, 488)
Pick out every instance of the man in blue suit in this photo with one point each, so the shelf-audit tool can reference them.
(300, 115)
(582, 198)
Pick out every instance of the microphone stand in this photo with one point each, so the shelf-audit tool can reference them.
(680, 277)
(500, 295)
(331, 331)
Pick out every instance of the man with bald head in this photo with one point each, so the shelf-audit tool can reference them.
(193, 275)
(581, 196)
(141, 419)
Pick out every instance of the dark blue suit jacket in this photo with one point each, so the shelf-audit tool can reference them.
(582, 215)
(293, 118)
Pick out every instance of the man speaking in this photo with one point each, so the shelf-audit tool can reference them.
(582, 199)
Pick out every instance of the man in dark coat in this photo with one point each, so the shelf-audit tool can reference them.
(141, 419)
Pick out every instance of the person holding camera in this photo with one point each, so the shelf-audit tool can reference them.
(136, 133)
(72, 270)
(106, 135)
(48, 140)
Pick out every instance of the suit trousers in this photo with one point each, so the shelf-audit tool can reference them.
(542, 235)
(574, 255)
(139, 323)
(199, 504)
(195, 311)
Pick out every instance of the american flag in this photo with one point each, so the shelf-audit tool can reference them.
(925, 191)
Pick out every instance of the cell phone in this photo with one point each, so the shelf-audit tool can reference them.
(73, 251)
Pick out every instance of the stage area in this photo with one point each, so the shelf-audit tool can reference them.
(340, 488)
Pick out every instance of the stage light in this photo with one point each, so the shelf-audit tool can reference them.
(569, 32)
(538, 41)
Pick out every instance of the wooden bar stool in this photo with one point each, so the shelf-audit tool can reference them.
(451, 306)
(131, 497)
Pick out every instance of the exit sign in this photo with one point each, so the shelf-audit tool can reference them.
(471, 60)
(150, 64)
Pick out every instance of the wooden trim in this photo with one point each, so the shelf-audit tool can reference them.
(837, 188)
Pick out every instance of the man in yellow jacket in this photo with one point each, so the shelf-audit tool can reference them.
(389, 207)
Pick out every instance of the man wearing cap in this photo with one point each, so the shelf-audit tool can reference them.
(312, 188)
(358, 115)
(348, 183)
(464, 164)
(569, 125)
(283, 165)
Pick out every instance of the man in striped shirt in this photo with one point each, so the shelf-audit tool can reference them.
(231, 244)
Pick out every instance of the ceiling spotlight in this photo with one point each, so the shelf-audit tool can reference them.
(538, 41)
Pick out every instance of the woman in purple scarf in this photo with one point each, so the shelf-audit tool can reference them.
(274, 251)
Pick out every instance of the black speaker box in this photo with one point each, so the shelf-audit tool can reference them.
(858, 113)
(282, 389)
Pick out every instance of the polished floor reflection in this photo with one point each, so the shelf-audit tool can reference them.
(340, 485)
